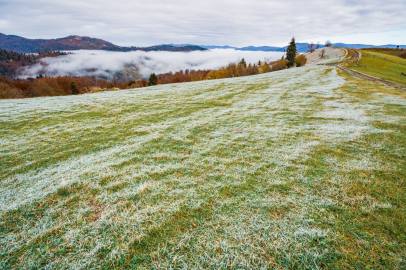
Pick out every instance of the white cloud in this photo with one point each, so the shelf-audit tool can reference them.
(232, 22)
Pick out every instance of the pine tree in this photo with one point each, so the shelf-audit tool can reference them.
(291, 53)
(73, 89)
(153, 80)
(130, 82)
(243, 63)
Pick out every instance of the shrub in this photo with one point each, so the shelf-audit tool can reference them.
(41, 88)
(130, 82)
(8, 91)
(403, 55)
(264, 68)
(300, 60)
(279, 65)
(230, 71)
(251, 70)
(73, 88)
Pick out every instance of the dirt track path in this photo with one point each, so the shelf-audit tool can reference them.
(372, 78)
(356, 56)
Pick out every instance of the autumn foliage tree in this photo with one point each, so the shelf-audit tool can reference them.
(8, 91)
(11, 62)
(68, 85)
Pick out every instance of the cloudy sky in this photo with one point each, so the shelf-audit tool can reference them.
(209, 22)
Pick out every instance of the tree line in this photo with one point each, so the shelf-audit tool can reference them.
(57, 86)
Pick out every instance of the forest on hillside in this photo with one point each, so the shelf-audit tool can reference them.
(20, 44)
(11, 62)
(13, 87)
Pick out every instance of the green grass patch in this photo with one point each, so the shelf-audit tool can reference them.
(382, 66)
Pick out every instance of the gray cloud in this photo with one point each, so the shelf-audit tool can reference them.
(104, 63)
(232, 22)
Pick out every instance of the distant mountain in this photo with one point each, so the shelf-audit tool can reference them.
(25, 45)
(262, 48)
(301, 47)
(217, 47)
(360, 46)
(202, 46)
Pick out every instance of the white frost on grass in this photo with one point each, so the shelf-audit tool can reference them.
(198, 141)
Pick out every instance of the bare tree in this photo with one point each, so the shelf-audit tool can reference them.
(311, 47)
(323, 52)
(318, 45)
(328, 43)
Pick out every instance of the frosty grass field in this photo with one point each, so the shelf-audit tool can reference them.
(297, 169)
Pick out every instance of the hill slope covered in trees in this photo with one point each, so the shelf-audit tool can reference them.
(25, 45)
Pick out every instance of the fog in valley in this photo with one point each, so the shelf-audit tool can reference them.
(105, 64)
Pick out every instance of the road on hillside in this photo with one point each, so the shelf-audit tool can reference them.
(356, 56)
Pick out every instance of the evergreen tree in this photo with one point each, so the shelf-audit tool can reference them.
(130, 82)
(259, 62)
(153, 79)
(73, 89)
(243, 63)
(291, 53)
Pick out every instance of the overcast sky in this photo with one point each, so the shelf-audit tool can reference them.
(209, 22)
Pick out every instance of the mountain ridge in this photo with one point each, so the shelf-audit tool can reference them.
(74, 42)
(301, 47)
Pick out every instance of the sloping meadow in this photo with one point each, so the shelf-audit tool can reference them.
(301, 168)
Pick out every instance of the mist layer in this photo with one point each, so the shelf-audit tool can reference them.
(106, 64)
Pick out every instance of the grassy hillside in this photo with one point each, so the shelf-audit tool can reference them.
(296, 169)
(388, 51)
(381, 65)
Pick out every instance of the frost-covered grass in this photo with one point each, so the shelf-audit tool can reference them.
(302, 168)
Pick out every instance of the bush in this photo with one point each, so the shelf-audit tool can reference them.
(130, 82)
(300, 60)
(73, 88)
(8, 91)
(264, 68)
(41, 88)
(279, 65)
(233, 70)
(251, 70)
(230, 71)
(403, 55)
